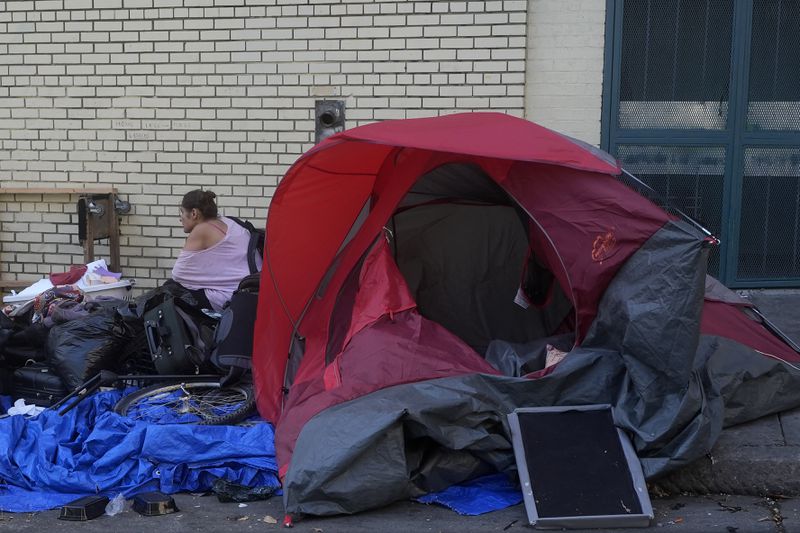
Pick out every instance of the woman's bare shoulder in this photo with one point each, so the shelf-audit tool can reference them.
(204, 235)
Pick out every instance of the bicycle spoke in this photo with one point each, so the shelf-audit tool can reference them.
(188, 403)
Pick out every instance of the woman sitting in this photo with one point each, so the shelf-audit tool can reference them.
(214, 259)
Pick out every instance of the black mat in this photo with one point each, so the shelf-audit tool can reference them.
(576, 464)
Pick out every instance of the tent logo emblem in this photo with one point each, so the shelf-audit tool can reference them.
(604, 246)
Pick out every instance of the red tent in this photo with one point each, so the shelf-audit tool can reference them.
(367, 171)
(359, 292)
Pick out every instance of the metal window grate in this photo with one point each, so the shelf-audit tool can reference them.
(675, 64)
(774, 96)
(769, 237)
(689, 178)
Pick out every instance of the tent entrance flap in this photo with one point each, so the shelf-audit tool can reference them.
(463, 253)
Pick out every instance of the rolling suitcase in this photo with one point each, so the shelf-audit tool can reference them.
(37, 384)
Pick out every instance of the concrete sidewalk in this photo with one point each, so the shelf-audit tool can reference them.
(679, 514)
(761, 457)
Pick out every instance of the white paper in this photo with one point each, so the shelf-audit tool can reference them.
(37, 288)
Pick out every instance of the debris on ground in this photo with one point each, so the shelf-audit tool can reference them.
(730, 508)
(227, 491)
(775, 513)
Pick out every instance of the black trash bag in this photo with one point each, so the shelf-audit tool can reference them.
(6, 331)
(5, 334)
(25, 344)
(5, 385)
(135, 359)
(80, 348)
(6, 322)
(227, 492)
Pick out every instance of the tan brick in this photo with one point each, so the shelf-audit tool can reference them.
(567, 39)
(221, 95)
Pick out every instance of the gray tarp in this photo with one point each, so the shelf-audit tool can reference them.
(672, 390)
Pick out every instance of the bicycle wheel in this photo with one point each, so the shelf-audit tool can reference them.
(203, 403)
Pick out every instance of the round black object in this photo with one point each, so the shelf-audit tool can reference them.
(328, 118)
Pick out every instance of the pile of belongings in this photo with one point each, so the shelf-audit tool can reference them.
(68, 334)
(53, 337)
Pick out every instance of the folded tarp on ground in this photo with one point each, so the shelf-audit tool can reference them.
(50, 460)
(479, 496)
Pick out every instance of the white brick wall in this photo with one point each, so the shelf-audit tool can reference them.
(157, 97)
(564, 66)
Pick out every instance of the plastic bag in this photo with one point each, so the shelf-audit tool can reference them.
(116, 505)
(79, 349)
(227, 491)
(24, 344)
(20, 408)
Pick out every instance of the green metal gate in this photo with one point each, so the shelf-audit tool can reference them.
(702, 102)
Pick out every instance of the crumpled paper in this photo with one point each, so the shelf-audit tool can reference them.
(20, 408)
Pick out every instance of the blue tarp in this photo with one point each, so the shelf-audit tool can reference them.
(50, 460)
(479, 496)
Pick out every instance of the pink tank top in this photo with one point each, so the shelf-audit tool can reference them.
(219, 269)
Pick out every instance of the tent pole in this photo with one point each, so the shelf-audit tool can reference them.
(670, 206)
(774, 329)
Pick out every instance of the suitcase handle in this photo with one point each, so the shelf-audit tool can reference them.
(156, 334)
(149, 328)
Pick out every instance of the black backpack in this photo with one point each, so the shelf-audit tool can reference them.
(256, 246)
(232, 348)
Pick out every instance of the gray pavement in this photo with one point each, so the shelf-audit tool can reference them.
(680, 514)
(761, 457)
(758, 458)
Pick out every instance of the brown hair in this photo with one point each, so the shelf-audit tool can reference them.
(201, 200)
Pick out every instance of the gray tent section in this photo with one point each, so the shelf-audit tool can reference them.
(718, 292)
(672, 389)
(467, 182)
